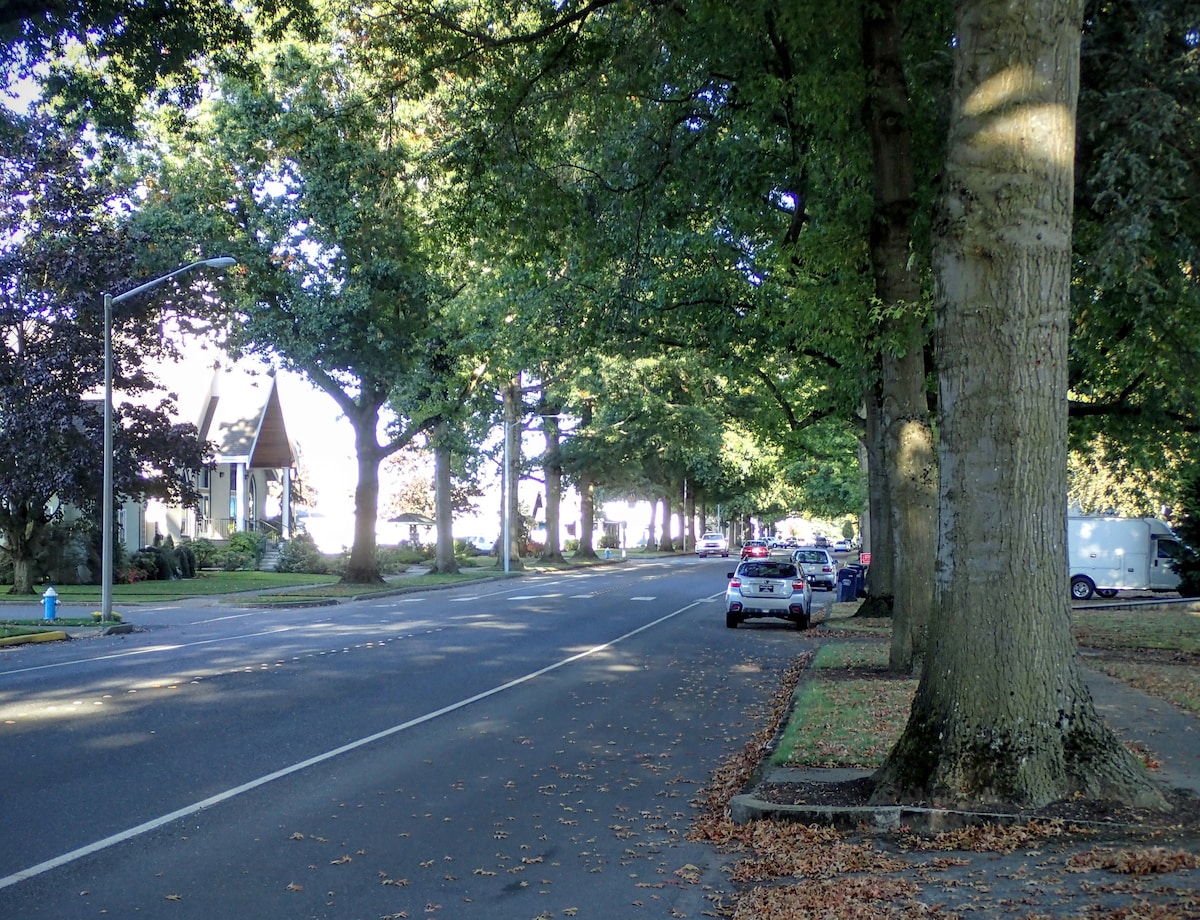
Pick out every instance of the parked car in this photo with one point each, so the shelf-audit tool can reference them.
(842, 546)
(818, 566)
(768, 588)
(711, 544)
(755, 549)
(481, 545)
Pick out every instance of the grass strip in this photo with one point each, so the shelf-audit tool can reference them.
(851, 722)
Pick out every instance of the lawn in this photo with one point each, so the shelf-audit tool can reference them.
(849, 710)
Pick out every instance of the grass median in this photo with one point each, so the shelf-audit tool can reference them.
(849, 709)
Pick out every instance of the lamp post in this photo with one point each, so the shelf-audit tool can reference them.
(106, 551)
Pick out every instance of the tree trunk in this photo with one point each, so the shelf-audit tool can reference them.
(1002, 712)
(444, 562)
(910, 467)
(363, 567)
(22, 576)
(880, 575)
(552, 467)
(512, 475)
(689, 518)
(587, 517)
(665, 543)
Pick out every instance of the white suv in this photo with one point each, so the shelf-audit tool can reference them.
(712, 544)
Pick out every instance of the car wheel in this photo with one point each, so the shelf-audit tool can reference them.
(732, 620)
(1082, 587)
(801, 621)
(701, 555)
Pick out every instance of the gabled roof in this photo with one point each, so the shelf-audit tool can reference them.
(243, 418)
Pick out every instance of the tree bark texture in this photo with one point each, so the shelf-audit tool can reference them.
(881, 574)
(908, 453)
(363, 565)
(512, 475)
(552, 467)
(443, 503)
(1002, 713)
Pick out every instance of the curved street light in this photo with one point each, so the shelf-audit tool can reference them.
(106, 552)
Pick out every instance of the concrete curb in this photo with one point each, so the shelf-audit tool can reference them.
(55, 635)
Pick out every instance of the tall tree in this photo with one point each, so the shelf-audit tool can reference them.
(900, 398)
(63, 238)
(96, 60)
(314, 181)
(1002, 712)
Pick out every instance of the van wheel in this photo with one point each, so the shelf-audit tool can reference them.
(1082, 587)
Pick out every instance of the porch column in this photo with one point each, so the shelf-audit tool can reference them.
(241, 497)
(285, 521)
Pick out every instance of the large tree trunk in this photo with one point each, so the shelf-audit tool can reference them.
(1002, 712)
(878, 533)
(587, 517)
(444, 561)
(363, 566)
(552, 467)
(512, 474)
(665, 543)
(907, 434)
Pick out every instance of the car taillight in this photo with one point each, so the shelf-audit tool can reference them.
(736, 583)
(798, 584)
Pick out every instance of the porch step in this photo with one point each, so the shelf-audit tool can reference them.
(270, 558)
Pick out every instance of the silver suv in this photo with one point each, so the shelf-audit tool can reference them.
(818, 566)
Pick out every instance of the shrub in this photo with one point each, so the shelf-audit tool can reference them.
(232, 560)
(300, 554)
(143, 566)
(205, 551)
(248, 543)
(185, 560)
(395, 559)
(610, 541)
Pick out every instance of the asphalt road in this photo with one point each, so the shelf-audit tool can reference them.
(520, 749)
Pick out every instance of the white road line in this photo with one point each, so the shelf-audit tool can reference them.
(187, 810)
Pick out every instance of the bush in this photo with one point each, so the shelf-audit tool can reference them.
(610, 541)
(185, 560)
(205, 551)
(301, 555)
(232, 560)
(248, 543)
(396, 559)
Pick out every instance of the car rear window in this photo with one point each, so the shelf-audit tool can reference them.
(768, 570)
(810, 556)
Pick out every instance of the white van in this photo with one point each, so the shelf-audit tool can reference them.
(1108, 554)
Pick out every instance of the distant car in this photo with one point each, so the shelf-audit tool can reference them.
(711, 544)
(821, 540)
(818, 566)
(842, 546)
(768, 588)
(482, 545)
(755, 549)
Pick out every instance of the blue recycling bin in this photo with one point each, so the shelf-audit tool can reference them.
(860, 578)
(847, 585)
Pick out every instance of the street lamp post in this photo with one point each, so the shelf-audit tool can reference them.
(106, 552)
